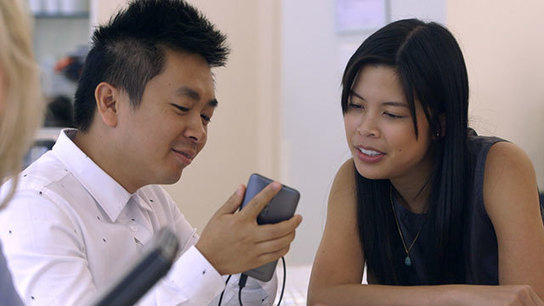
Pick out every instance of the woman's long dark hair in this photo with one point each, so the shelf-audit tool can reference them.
(431, 68)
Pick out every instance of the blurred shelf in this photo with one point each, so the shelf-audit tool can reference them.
(82, 15)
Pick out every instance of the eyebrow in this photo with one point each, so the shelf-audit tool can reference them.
(194, 95)
(388, 103)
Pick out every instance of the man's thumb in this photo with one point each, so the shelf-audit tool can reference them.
(233, 202)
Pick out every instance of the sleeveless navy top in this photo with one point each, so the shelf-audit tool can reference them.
(480, 240)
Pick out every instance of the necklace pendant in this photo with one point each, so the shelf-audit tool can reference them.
(408, 261)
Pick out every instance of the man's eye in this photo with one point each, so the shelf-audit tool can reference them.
(179, 107)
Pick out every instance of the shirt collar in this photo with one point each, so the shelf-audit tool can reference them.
(109, 194)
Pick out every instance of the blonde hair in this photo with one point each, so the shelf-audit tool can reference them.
(21, 108)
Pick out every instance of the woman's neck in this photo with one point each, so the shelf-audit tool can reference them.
(413, 192)
(414, 198)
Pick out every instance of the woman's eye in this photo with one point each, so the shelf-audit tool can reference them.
(393, 116)
(355, 105)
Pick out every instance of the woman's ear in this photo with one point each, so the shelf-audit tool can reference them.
(440, 128)
(107, 104)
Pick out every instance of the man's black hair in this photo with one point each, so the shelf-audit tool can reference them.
(130, 49)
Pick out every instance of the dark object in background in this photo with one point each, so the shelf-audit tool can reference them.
(59, 113)
(70, 66)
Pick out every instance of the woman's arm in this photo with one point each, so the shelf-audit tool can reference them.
(339, 261)
(511, 201)
(338, 266)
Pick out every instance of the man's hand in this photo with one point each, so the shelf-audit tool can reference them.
(233, 242)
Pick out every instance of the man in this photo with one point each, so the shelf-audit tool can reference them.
(143, 104)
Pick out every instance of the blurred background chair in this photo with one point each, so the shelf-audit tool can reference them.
(44, 141)
(59, 115)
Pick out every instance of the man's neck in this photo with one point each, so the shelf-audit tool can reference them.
(101, 153)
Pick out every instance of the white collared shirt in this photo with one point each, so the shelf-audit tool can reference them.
(70, 230)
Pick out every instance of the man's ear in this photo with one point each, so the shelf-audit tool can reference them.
(107, 104)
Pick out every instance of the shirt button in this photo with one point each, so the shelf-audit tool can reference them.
(134, 228)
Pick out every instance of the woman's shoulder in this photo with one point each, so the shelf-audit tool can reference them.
(343, 187)
(345, 176)
(347, 169)
(506, 158)
(509, 177)
(479, 144)
(479, 148)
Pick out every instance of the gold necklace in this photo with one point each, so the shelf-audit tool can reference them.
(407, 259)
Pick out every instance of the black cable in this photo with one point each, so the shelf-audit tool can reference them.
(243, 279)
(223, 292)
(284, 279)
(241, 284)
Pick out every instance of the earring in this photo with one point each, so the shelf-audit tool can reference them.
(437, 133)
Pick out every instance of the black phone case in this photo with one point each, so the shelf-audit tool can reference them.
(280, 208)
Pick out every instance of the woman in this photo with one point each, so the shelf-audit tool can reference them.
(424, 201)
(20, 109)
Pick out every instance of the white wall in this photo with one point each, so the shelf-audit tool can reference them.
(428, 10)
(312, 130)
(503, 46)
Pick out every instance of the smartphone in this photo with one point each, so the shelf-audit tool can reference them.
(281, 207)
(153, 264)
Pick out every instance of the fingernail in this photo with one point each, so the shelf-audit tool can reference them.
(276, 186)
(240, 191)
